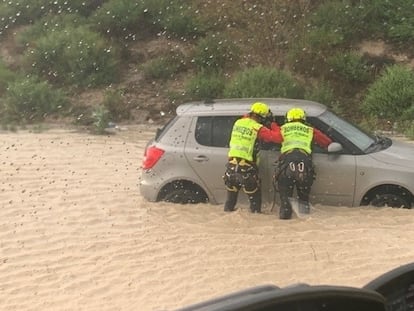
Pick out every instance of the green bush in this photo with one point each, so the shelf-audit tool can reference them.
(322, 39)
(126, 19)
(322, 93)
(333, 23)
(215, 52)
(25, 12)
(403, 33)
(263, 82)
(394, 19)
(30, 99)
(47, 24)
(205, 85)
(392, 95)
(164, 67)
(7, 17)
(408, 129)
(115, 104)
(100, 116)
(176, 19)
(349, 66)
(131, 19)
(159, 68)
(338, 22)
(74, 56)
(6, 76)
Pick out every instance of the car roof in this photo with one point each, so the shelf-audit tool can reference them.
(240, 106)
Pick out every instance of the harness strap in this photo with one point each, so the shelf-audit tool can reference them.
(240, 161)
(296, 149)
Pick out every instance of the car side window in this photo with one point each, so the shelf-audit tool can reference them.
(214, 131)
(315, 147)
(327, 130)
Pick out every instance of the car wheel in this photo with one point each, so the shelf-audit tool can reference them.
(184, 196)
(390, 200)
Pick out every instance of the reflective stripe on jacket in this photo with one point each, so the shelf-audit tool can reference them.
(296, 135)
(243, 137)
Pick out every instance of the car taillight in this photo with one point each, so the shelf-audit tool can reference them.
(151, 157)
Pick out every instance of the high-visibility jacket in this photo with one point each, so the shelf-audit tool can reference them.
(296, 135)
(243, 138)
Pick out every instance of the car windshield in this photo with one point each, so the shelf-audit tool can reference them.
(355, 135)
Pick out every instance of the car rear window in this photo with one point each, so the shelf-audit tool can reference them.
(214, 131)
(161, 131)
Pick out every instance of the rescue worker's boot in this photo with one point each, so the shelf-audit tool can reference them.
(304, 207)
(231, 201)
(285, 211)
(256, 202)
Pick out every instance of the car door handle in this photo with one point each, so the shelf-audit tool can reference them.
(200, 158)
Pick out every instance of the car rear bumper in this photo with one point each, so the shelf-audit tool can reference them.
(148, 189)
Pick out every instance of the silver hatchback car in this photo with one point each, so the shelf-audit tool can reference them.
(185, 161)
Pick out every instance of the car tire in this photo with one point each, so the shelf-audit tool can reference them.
(390, 200)
(184, 196)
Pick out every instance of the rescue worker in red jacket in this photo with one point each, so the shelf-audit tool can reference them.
(295, 162)
(241, 169)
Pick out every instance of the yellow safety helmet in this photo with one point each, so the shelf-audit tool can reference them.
(295, 114)
(260, 109)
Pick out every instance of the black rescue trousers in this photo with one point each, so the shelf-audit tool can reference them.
(295, 170)
(242, 175)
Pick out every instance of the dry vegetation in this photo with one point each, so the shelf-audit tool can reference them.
(263, 31)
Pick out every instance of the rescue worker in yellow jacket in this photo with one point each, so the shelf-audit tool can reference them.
(241, 169)
(295, 163)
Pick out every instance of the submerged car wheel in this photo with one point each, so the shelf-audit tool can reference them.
(183, 196)
(183, 192)
(390, 200)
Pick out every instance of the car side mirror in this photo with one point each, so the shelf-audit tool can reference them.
(334, 147)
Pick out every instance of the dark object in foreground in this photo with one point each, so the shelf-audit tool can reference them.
(391, 291)
(397, 286)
